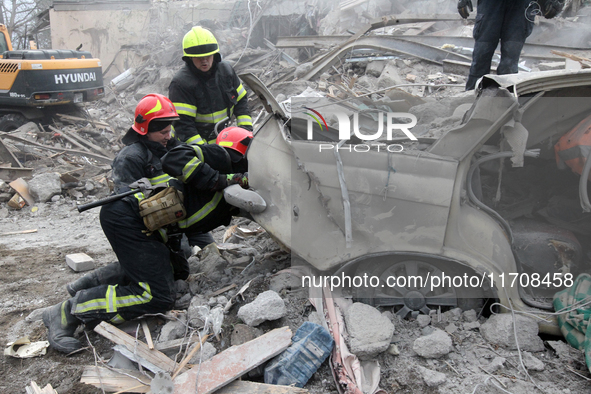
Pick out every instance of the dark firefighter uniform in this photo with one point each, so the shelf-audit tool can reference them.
(205, 96)
(511, 22)
(142, 281)
(149, 281)
(146, 284)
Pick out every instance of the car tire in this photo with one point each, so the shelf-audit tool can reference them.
(411, 300)
(12, 122)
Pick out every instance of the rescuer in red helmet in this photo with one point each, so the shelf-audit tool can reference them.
(142, 281)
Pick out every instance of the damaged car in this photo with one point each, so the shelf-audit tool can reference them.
(486, 204)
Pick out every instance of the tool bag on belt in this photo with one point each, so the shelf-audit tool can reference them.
(163, 208)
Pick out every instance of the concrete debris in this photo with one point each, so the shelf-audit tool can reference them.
(43, 187)
(533, 363)
(243, 333)
(389, 76)
(303, 69)
(284, 280)
(469, 316)
(267, 306)
(471, 325)
(211, 263)
(206, 352)
(496, 364)
(172, 330)
(375, 68)
(499, 330)
(432, 378)
(434, 345)
(369, 331)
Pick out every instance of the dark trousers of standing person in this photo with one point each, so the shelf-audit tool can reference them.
(499, 20)
(145, 262)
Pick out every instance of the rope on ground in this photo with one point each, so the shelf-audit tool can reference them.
(517, 344)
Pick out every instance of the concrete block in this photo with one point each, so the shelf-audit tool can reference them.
(303, 69)
(267, 306)
(369, 331)
(206, 352)
(435, 345)
(432, 378)
(498, 330)
(532, 363)
(547, 66)
(375, 68)
(172, 330)
(423, 320)
(80, 262)
(44, 186)
(390, 77)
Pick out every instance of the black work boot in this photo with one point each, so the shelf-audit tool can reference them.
(111, 274)
(84, 282)
(61, 325)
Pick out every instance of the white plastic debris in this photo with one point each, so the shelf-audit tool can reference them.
(24, 348)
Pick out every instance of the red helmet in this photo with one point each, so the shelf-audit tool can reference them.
(235, 138)
(153, 106)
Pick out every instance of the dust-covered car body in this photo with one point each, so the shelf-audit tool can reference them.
(411, 210)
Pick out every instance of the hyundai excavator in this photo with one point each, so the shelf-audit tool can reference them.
(33, 81)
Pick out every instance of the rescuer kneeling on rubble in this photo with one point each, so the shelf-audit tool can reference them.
(139, 226)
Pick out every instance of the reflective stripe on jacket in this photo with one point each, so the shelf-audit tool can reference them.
(202, 100)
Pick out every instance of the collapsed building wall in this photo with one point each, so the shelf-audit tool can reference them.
(116, 31)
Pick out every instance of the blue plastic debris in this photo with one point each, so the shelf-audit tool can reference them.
(310, 346)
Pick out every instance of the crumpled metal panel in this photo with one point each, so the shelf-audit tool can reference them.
(398, 201)
(527, 83)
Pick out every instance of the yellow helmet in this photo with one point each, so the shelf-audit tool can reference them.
(199, 42)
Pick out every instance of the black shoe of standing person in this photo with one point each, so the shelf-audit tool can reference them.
(61, 325)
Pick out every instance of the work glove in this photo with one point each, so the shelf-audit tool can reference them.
(550, 8)
(144, 185)
(463, 7)
(238, 179)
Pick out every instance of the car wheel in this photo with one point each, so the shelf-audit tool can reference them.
(12, 122)
(406, 286)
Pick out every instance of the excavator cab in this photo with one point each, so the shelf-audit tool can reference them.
(5, 44)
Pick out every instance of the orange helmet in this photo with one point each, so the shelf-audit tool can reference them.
(235, 138)
(151, 107)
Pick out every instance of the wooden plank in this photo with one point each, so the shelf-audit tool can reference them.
(585, 63)
(35, 389)
(189, 356)
(76, 118)
(8, 157)
(20, 232)
(9, 174)
(419, 29)
(147, 334)
(81, 141)
(244, 386)
(232, 363)
(155, 357)
(68, 138)
(112, 380)
(223, 290)
(103, 159)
